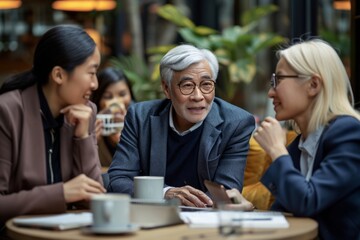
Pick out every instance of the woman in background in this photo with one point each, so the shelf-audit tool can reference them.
(48, 152)
(113, 96)
(317, 176)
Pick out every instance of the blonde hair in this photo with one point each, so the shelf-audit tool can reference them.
(317, 57)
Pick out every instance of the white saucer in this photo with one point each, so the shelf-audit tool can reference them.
(130, 228)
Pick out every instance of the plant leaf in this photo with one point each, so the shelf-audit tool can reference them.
(232, 33)
(257, 13)
(172, 14)
(266, 40)
(160, 49)
(242, 70)
(204, 31)
(189, 36)
(223, 56)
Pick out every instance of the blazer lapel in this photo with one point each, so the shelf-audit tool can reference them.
(32, 118)
(295, 152)
(158, 145)
(320, 151)
(209, 139)
(67, 163)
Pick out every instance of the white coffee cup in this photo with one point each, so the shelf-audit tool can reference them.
(110, 211)
(110, 124)
(148, 187)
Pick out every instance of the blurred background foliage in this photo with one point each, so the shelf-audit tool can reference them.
(236, 48)
(243, 34)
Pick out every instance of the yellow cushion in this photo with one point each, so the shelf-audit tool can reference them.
(258, 195)
(256, 165)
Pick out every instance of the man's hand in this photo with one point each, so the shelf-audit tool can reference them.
(189, 196)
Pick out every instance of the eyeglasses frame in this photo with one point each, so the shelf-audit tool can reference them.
(274, 81)
(196, 85)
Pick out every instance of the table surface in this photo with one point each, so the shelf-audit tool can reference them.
(300, 228)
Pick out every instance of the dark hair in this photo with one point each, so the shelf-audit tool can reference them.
(107, 77)
(66, 46)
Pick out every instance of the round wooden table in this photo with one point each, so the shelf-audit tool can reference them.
(300, 228)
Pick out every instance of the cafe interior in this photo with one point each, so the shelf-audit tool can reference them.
(126, 28)
(123, 28)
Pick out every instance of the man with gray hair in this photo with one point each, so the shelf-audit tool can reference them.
(188, 137)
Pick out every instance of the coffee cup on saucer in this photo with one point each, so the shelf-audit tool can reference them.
(111, 214)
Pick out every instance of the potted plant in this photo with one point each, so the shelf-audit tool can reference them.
(236, 48)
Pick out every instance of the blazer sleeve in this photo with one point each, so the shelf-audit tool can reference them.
(85, 153)
(34, 200)
(126, 161)
(33, 196)
(232, 161)
(335, 178)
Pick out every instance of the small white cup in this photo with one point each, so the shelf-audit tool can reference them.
(148, 187)
(110, 211)
(110, 124)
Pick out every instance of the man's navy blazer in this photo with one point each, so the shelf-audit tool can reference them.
(223, 145)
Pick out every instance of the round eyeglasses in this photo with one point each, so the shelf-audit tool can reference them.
(276, 78)
(188, 87)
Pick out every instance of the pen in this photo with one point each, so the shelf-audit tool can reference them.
(250, 219)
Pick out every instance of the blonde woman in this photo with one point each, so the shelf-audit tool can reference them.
(318, 174)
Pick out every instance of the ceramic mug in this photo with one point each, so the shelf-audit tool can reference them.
(148, 187)
(110, 124)
(110, 211)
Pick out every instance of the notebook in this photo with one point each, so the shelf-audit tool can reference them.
(256, 219)
(56, 222)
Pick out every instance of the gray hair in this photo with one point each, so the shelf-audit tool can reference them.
(181, 57)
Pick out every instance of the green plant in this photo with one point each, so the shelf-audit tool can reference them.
(236, 47)
(144, 85)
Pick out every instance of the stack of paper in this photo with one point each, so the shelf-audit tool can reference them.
(248, 219)
(57, 222)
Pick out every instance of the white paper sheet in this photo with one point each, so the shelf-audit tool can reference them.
(57, 222)
(202, 219)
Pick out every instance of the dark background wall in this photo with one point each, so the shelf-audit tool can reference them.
(355, 50)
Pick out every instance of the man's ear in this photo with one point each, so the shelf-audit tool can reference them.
(315, 85)
(166, 88)
(57, 74)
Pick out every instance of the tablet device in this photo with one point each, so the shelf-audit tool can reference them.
(194, 209)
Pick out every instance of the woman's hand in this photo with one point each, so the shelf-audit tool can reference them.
(189, 196)
(79, 116)
(118, 111)
(270, 135)
(98, 128)
(114, 138)
(81, 188)
(242, 203)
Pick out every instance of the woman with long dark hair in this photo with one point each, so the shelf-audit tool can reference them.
(48, 153)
